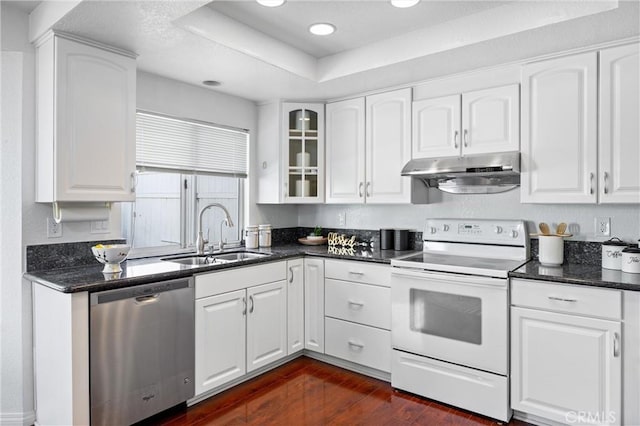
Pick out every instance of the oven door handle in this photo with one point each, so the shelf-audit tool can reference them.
(450, 278)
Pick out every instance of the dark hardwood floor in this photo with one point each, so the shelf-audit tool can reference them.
(309, 392)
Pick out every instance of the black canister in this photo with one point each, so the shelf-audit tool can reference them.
(386, 239)
(401, 239)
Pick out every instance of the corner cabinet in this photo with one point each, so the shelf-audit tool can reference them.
(295, 306)
(368, 143)
(478, 122)
(314, 304)
(290, 153)
(86, 108)
(619, 137)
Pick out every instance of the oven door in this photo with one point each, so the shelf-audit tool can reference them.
(461, 319)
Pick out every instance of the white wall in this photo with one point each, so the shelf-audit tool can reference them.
(625, 219)
(16, 363)
(171, 97)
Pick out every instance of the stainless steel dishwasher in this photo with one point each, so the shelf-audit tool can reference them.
(141, 350)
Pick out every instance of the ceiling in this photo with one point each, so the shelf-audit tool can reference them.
(262, 53)
(358, 23)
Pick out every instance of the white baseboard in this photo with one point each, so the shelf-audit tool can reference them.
(348, 365)
(15, 419)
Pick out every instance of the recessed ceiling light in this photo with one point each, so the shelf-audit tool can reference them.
(322, 29)
(271, 3)
(211, 83)
(404, 3)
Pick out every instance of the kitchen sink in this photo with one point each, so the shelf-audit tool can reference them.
(213, 259)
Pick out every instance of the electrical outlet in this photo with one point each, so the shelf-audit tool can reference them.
(342, 219)
(603, 227)
(100, 227)
(54, 230)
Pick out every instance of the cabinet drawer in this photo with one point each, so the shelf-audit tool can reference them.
(358, 343)
(593, 302)
(362, 303)
(358, 272)
(210, 283)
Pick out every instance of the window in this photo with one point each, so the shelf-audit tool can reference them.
(182, 167)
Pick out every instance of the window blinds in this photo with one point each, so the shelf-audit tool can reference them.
(170, 143)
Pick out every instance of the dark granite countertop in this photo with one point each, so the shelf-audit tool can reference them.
(141, 271)
(579, 274)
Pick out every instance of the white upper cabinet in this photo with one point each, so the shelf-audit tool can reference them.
(619, 141)
(345, 151)
(478, 122)
(559, 130)
(86, 104)
(436, 127)
(491, 120)
(290, 153)
(388, 147)
(364, 161)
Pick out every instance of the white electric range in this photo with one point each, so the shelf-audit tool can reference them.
(450, 313)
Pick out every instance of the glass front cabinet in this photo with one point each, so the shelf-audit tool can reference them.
(303, 149)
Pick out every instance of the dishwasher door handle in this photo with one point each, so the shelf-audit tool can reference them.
(144, 300)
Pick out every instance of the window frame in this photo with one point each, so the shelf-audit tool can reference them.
(189, 212)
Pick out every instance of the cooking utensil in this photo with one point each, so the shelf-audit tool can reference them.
(544, 228)
(562, 227)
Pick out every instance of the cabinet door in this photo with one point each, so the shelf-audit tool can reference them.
(436, 127)
(220, 339)
(266, 324)
(565, 366)
(95, 115)
(491, 120)
(619, 142)
(345, 151)
(295, 306)
(559, 139)
(314, 305)
(388, 147)
(303, 151)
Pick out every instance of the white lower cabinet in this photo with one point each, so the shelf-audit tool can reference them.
(266, 324)
(358, 313)
(314, 305)
(219, 319)
(240, 322)
(368, 346)
(565, 367)
(295, 306)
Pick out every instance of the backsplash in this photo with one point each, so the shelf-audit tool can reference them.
(53, 256)
(577, 252)
(291, 235)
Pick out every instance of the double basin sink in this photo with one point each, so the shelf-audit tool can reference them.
(215, 258)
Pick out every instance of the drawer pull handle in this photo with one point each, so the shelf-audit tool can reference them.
(252, 305)
(356, 273)
(291, 275)
(616, 345)
(244, 302)
(561, 299)
(356, 345)
(356, 304)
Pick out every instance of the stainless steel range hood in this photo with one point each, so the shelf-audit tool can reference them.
(471, 174)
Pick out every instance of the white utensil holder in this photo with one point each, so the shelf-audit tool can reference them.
(551, 250)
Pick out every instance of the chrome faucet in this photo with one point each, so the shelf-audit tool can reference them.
(200, 241)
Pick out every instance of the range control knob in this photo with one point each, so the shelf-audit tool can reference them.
(514, 234)
(498, 229)
(445, 228)
(433, 230)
